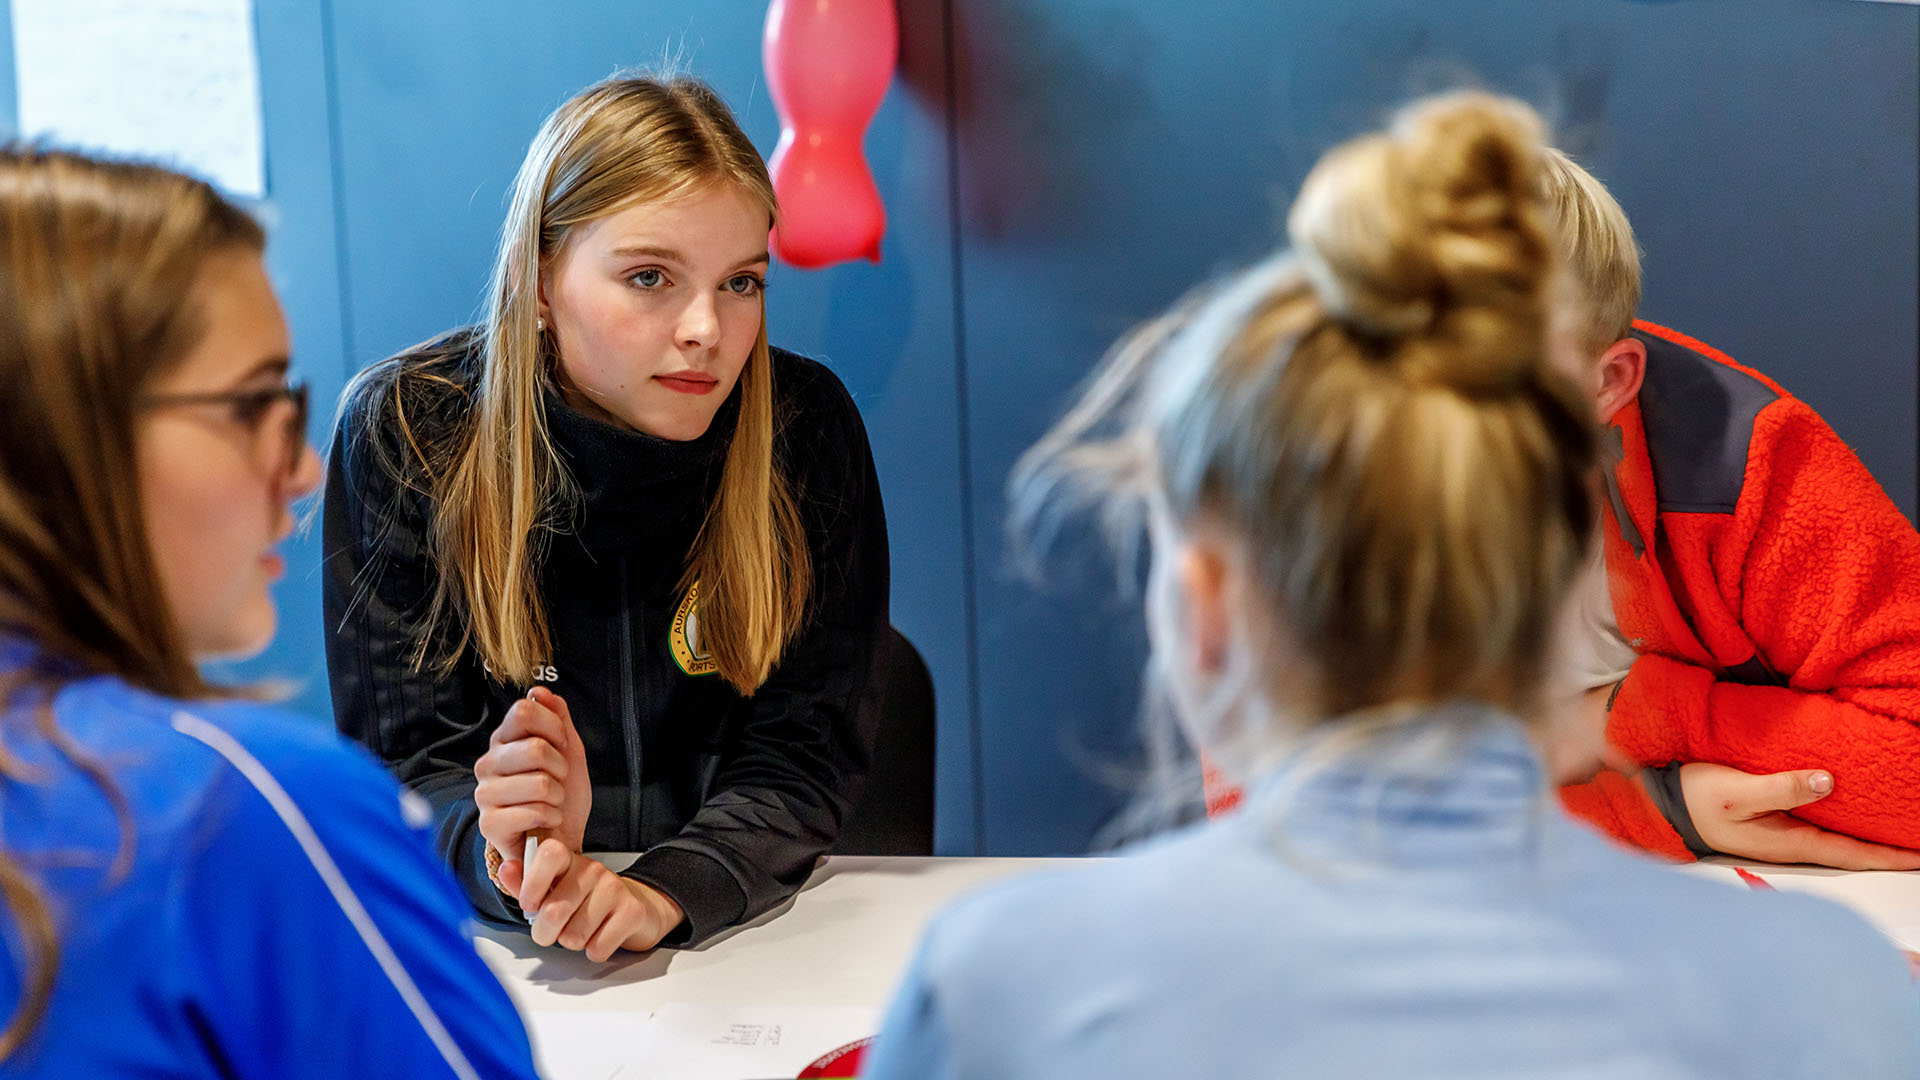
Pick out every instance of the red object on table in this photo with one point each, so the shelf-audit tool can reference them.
(828, 65)
(1753, 880)
(844, 1062)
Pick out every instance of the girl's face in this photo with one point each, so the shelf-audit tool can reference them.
(655, 309)
(221, 451)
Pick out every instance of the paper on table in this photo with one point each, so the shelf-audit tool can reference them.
(686, 1041)
(584, 1045)
(175, 80)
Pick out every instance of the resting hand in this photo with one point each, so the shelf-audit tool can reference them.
(1746, 815)
(586, 907)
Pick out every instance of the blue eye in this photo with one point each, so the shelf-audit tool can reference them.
(650, 278)
(745, 284)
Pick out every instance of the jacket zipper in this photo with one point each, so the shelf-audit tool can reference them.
(629, 709)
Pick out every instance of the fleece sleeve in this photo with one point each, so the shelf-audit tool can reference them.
(1825, 572)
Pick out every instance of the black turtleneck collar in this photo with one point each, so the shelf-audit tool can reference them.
(636, 488)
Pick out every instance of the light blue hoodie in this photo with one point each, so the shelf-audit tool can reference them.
(1459, 926)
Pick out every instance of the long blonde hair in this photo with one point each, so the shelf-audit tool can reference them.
(497, 485)
(100, 260)
(1373, 418)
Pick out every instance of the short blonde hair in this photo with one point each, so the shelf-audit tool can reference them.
(1595, 244)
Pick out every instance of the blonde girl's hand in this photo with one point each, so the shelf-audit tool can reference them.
(577, 903)
(533, 778)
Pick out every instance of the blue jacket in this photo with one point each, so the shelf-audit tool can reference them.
(282, 915)
(1355, 924)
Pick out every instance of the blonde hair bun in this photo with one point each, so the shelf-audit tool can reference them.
(1369, 425)
(1430, 239)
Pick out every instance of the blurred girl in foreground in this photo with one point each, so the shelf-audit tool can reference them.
(196, 884)
(1364, 471)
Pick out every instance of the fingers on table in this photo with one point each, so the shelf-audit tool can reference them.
(548, 881)
(601, 905)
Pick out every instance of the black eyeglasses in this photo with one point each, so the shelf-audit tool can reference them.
(249, 409)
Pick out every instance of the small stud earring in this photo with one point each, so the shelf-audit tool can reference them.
(540, 325)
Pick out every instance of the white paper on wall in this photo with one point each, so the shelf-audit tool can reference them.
(176, 81)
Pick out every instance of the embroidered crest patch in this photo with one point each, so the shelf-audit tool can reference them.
(683, 638)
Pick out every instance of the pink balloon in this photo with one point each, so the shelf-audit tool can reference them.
(828, 65)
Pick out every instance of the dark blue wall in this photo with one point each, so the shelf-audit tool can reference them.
(1093, 159)
(1113, 152)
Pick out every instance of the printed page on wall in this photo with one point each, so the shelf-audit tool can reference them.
(173, 81)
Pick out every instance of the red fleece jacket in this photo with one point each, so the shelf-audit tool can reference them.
(1772, 592)
(1776, 630)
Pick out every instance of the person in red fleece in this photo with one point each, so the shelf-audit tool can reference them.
(1751, 634)
(1744, 653)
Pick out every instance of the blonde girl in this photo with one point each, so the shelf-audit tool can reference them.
(605, 568)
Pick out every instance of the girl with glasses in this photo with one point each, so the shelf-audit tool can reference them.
(196, 884)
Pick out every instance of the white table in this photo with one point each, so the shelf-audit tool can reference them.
(847, 936)
(845, 939)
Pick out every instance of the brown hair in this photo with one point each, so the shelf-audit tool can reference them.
(101, 259)
(1373, 420)
(1596, 245)
(497, 483)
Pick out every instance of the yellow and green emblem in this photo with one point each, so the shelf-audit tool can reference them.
(684, 637)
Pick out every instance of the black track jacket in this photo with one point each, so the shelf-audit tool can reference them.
(729, 799)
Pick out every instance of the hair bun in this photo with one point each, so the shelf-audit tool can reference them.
(1433, 237)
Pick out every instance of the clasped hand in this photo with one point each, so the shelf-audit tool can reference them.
(533, 781)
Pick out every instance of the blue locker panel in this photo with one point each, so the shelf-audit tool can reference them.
(1114, 152)
(303, 258)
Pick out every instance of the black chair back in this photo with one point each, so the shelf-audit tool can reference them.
(894, 812)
